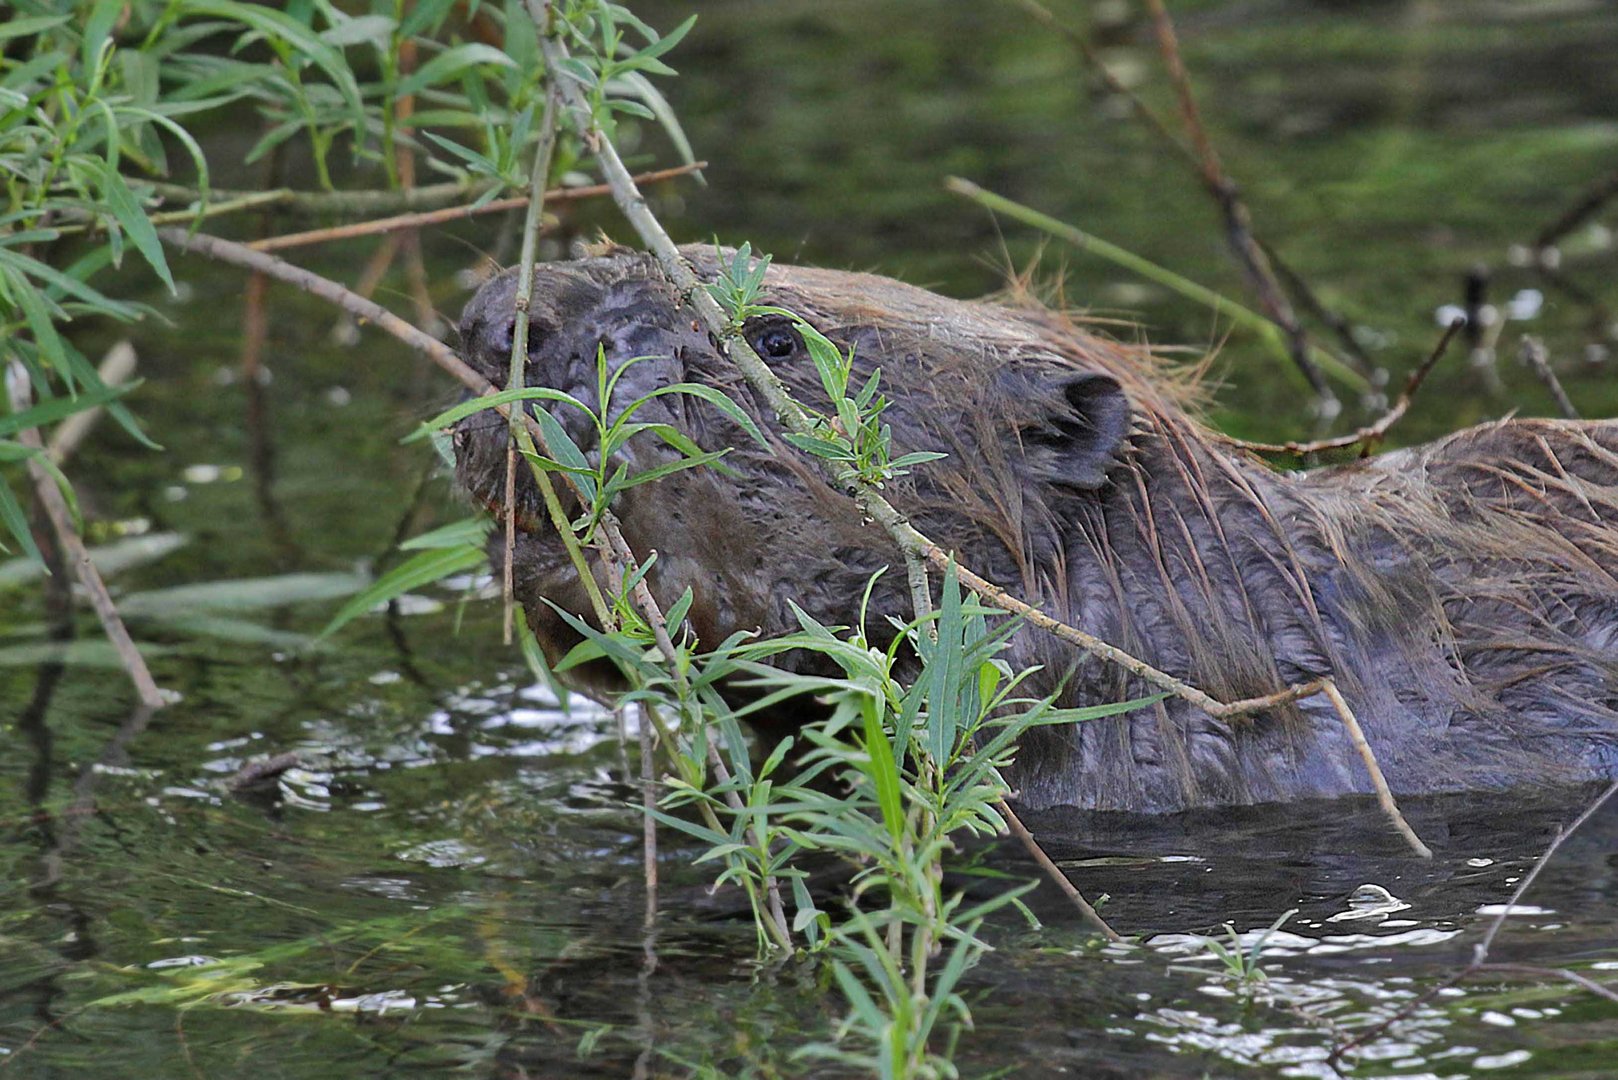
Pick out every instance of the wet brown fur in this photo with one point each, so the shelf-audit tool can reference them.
(1463, 593)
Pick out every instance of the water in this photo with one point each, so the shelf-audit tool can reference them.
(449, 877)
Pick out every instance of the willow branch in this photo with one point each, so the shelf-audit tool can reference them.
(401, 222)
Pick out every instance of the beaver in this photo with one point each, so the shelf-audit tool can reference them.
(1463, 593)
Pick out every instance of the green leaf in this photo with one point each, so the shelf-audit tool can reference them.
(423, 569)
(884, 773)
(490, 401)
(360, 30)
(16, 523)
(470, 530)
(823, 448)
(719, 400)
(128, 212)
(31, 26)
(97, 32)
(944, 672)
(40, 322)
(278, 25)
(48, 412)
(450, 63)
(660, 471)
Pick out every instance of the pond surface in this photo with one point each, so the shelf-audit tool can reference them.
(448, 880)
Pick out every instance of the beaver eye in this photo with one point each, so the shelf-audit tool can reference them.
(775, 342)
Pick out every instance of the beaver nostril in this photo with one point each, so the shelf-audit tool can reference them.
(509, 338)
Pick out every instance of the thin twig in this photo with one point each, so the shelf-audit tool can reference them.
(377, 201)
(1371, 434)
(1592, 199)
(457, 213)
(1238, 222)
(1379, 783)
(1480, 952)
(61, 517)
(1534, 355)
(1054, 872)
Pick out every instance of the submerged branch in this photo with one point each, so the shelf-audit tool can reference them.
(1054, 872)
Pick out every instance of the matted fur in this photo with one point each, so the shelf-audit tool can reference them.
(1462, 593)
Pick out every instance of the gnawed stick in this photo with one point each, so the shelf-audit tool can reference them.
(61, 518)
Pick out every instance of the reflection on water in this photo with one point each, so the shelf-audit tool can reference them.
(442, 871)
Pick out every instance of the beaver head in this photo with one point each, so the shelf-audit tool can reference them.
(1027, 426)
(1431, 583)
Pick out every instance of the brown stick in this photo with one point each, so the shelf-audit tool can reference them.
(1380, 784)
(1054, 872)
(1238, 222)
(1371, 434)
(1534, 355)
(61, 518)
(455, 213)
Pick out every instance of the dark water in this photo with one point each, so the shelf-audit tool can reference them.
(450, 881)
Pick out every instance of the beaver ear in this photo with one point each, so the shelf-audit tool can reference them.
(1083, 433)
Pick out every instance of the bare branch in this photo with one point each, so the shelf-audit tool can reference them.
(61, 518)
